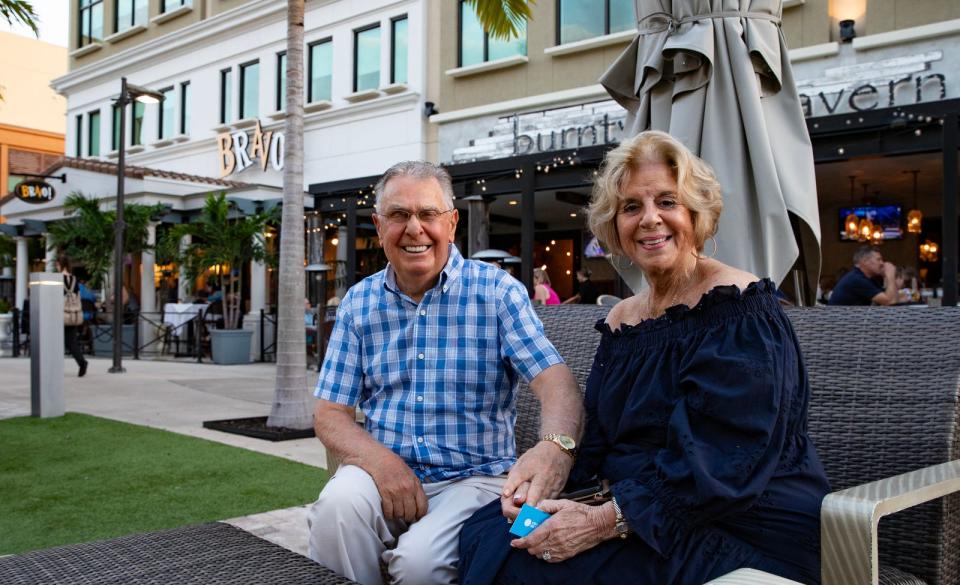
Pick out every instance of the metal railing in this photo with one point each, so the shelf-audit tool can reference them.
(268, 349)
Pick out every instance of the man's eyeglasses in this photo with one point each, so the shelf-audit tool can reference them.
(425, 216)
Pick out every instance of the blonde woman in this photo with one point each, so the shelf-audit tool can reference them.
(543, 293)
(696, 409)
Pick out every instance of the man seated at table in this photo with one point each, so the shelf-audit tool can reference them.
(859, 286)
(431, 350)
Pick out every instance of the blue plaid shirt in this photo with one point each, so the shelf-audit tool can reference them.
(437, 380)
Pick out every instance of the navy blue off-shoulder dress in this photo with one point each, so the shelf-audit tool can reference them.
(699, 421)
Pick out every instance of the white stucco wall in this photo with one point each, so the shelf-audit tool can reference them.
(347, 140)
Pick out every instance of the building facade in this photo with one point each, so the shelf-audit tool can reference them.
(31, 136)
(522, 124)
(220, 66)
(877, 92)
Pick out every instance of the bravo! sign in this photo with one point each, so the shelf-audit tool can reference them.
(237, 151)
(34, 192)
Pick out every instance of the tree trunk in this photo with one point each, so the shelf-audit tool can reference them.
(292, 399)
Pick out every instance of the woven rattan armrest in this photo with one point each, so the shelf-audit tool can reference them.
(751, 577)
(849, 519)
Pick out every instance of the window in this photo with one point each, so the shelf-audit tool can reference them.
(579, 19)
(115, 139)
(185, 108)
(226, 93)
(93, 133)
(282, 81)
(130, 13)
(168, 5)
(136, 123)
(476, 46)
(366, 58)
(91, 21)
(165, 117)
(398, 50)
(78, 150)
(321, 71)
(250, 90)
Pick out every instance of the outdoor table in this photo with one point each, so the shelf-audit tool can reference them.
(177, 315)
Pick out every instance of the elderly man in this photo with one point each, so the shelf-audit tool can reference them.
(859, 287)
(431, 349)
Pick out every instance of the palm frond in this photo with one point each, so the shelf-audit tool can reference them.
(19, 10)
(503, 19)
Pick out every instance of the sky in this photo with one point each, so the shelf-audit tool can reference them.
(54, 16)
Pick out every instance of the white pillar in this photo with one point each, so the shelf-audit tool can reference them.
(186, 294)
(258, 301)
(49, 259)
(148, 293)
(46, 344)
(23, 271)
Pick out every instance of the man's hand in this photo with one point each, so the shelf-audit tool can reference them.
(401, 494)
(572, 529)
(889, 270)
(539, 473)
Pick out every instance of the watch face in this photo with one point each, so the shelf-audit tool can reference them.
(567, 442)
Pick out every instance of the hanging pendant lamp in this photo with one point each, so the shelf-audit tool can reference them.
(865, 228)
(914, 216)
(852, 222)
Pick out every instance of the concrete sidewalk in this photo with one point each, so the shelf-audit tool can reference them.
(178, 396)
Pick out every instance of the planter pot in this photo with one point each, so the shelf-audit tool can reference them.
(6, 334)
(230, 346)
(103, 340)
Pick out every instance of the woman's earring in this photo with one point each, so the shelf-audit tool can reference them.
(714, 240)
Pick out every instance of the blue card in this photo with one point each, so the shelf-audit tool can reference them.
(528, 519)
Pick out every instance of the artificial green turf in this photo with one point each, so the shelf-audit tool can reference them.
(79, 478)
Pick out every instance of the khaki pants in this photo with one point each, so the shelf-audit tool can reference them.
(349, 534)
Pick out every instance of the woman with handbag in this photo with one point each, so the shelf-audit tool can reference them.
(696, 410)
(72, 313)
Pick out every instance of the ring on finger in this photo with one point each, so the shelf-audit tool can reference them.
(546, 556)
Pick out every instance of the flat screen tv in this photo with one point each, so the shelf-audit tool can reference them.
(593, 249)
(888, 216)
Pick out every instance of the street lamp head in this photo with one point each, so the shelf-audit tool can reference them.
(144, 95)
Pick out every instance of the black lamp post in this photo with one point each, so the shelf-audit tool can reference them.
(128, 94)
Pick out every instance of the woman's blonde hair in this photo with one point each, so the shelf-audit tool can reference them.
(697, 186)
(541, 275)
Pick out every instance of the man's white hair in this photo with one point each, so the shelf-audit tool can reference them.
(417, 169)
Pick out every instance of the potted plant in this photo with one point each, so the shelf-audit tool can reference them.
(222, 241)
(87, 237)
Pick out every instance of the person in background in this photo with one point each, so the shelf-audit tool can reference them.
(310, 324)
(859, 286)
(70, 332)
(88, 300)
(906, 282)
(696, 409)
(543, 293)
(587, 293)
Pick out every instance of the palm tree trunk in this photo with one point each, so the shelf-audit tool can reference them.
(292, 399)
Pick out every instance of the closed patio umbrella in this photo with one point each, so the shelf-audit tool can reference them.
(716, 75)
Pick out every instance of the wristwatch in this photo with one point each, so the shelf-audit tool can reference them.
(566, 444)
(621, 526)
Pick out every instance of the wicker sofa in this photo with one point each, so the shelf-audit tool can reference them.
(884, 402)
